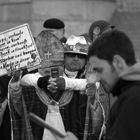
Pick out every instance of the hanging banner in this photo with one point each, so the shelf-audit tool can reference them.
(18, 50)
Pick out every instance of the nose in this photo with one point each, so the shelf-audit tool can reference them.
(76, 57)
(98, 78)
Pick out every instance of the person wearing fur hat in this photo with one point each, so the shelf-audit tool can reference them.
(98, 27)
(56, 27)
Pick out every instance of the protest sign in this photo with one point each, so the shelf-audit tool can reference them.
(18, 50)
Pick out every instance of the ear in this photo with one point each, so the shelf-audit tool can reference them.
(119, 63)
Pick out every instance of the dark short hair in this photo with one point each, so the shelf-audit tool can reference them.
(112, 43)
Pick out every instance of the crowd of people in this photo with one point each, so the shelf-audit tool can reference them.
(73, 89)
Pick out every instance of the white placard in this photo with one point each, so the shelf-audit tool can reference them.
(18, 50)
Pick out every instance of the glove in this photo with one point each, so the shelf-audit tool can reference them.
(43, 82)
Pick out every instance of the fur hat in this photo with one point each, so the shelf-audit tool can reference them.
(98, 27)
(53, 23)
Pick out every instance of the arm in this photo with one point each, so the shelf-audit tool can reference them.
(75, 84)
(30, 79)
(36, 80)
(14, 93)
(17, 91)
(81, 84)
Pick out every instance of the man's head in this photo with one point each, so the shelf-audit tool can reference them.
(55, 26)
(110, 55)
(75, 53)
(98, 27)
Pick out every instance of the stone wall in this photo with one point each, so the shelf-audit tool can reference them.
(126, 18)
(14, 13)
(77, 15)
(130, 24)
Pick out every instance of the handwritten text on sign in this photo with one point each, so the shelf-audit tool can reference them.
(17, 49)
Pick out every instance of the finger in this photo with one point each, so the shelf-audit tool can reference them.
(52, 83)
(52, 79)
(52, 90)
(52, 87)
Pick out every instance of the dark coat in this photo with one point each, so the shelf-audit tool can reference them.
(124, 121)
(5, 128)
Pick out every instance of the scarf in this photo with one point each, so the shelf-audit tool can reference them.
(70, 74)
(54, 119)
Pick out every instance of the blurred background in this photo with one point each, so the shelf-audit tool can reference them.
(76, 14)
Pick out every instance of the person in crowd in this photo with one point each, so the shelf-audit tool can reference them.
(98, 27)
(72, 104)
(56, 27)
(5, 121)
(73, 54)
(28, 99)
(118, 70)
(5, 118)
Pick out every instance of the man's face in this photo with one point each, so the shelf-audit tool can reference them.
(74, 62)
(105, 72)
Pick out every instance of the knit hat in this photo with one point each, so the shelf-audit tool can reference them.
(98, 27)
(53, 23)
(76, 44)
